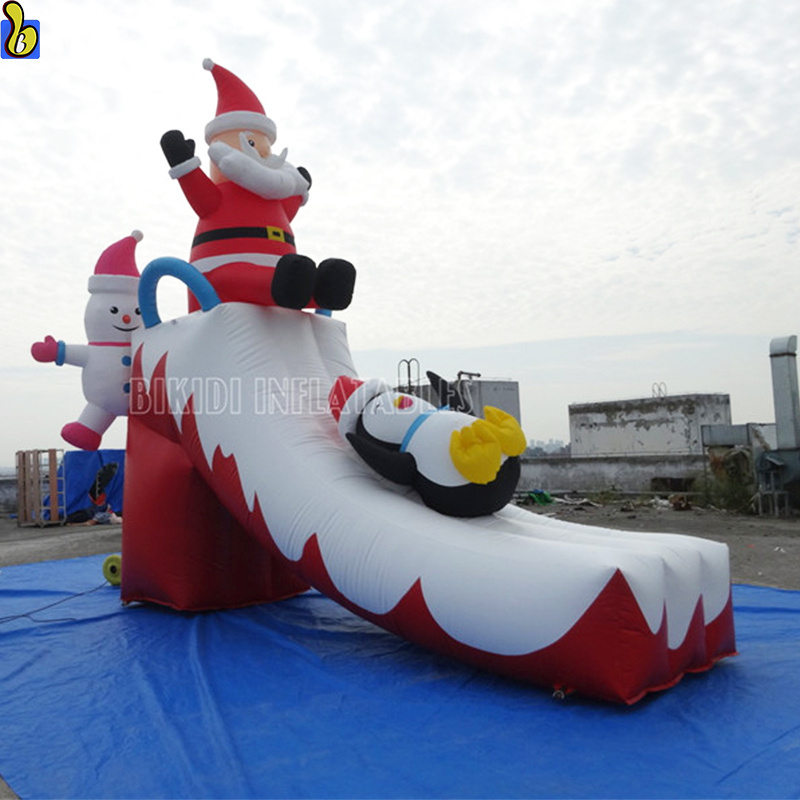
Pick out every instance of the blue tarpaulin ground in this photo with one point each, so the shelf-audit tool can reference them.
(302, 699)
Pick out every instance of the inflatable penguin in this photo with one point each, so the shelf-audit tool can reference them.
(459, 465)
(112, 314)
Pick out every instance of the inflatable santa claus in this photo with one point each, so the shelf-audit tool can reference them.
(112, 314)
(244, 242)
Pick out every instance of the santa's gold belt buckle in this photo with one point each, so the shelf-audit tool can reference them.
(276, 234)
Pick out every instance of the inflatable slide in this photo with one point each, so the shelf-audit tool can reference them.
(239, 489)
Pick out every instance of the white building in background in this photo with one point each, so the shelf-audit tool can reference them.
(642, 445)
(652, 426)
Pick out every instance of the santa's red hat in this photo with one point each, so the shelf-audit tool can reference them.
(237, 107)
(349, 396)
(116, 270)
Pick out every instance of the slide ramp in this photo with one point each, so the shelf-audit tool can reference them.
(241, 392)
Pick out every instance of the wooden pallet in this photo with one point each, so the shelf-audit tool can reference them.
(40, 489)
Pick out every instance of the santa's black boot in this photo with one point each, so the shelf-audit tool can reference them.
(293, 281)
(334, 285)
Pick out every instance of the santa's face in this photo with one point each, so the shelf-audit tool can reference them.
(112, 316)
(251, 143)
(246, 159)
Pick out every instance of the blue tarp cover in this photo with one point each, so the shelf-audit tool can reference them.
(303, 699)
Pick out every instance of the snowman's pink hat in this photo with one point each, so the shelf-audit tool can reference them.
(116, 268)
(349, 396)
(237, 106)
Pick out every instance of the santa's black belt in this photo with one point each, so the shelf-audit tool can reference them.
(267, 232)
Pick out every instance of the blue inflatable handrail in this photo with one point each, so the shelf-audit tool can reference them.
(176, 268)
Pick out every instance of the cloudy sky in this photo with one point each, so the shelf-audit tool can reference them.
(588, 196)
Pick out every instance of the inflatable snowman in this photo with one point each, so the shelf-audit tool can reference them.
(112, 314)
(459, 465)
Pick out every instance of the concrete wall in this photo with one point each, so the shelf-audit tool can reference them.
(649, 426)
(758, 436)
(623, 473)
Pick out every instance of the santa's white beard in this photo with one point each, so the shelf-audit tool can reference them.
(272, 178)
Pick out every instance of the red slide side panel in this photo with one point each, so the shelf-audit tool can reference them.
(181, 547)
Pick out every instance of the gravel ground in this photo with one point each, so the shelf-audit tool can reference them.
(29, 544)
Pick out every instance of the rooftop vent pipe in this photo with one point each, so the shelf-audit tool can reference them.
(782, 354)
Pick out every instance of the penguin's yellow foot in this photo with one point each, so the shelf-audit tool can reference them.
(476, 452)
(507, 430)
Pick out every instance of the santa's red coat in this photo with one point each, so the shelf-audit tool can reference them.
(239, 237)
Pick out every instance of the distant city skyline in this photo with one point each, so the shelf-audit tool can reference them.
(550, 444)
